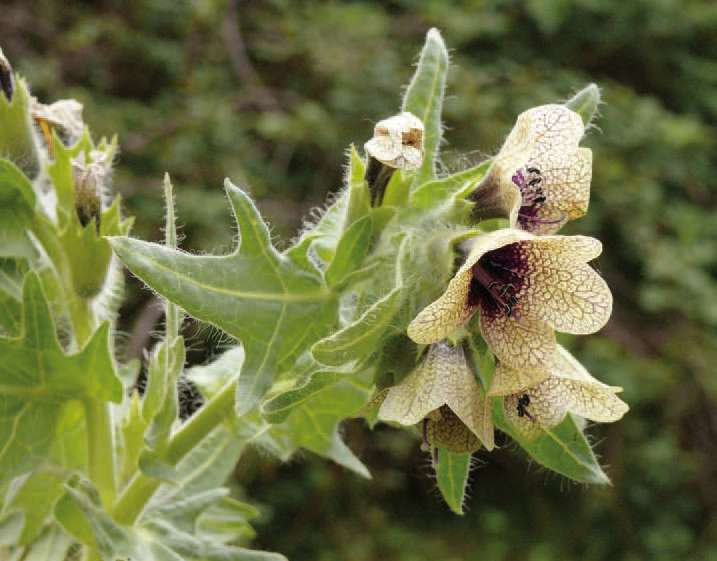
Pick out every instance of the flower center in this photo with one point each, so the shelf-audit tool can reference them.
(497, 279)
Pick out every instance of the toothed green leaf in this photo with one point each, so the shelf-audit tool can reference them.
(314, 423)
(39, 378)
(255, 294)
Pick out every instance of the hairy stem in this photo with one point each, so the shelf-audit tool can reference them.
(98, 415)
(100, 452)
(140, 489)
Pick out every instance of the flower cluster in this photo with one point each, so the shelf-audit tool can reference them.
(525, 283)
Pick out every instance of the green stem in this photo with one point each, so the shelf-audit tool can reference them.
(100, 454)
(141, 488)
(100, 432)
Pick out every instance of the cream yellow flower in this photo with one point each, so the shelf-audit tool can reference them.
(540, 179)
(443, 390)
(565, 387)
(525, 288)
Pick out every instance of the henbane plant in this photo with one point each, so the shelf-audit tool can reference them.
(419, 298)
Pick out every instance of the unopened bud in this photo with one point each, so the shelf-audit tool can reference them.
(90, 180)
(7, 81)
(397, 143)
(18, 142)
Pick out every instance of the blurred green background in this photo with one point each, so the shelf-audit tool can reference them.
(270, 93)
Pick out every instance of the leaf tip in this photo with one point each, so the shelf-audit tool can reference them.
(586, 102)
(229, 187)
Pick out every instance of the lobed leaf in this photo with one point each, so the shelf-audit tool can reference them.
(255, 294)
(38, 378)
(314, 424)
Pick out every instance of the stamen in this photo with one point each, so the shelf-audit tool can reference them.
(503, 294)
(531, 190)
(502, 267)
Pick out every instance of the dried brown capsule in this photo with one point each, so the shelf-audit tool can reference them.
(397, 143)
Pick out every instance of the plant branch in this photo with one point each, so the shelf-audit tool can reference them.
(141, 488)
(100, 439)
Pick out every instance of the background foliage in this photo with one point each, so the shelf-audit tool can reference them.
(268, 93)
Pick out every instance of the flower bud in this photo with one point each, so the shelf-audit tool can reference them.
(7, 81)
(90, 180)
(18, 139)
(397, 143)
